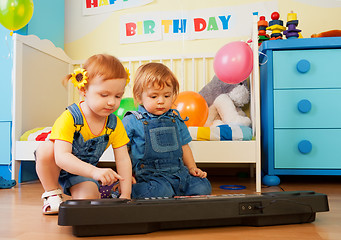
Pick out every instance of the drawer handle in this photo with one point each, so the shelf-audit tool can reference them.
(305, 146)
(304, 106)
(303, 66)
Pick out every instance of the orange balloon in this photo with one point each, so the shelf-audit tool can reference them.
(192, 105)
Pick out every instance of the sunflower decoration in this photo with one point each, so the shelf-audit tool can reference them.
(79, 78)
(128, 76)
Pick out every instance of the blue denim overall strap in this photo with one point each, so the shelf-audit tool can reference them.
(175, 112)
(91, 150)
(76, 114)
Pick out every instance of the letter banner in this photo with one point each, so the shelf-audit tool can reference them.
(92, 7)
(222, 22)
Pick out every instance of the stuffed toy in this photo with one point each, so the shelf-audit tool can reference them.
(225, 102)
(331, 33)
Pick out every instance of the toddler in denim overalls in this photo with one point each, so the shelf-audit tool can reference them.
(158, 139)
(81, 134)
(88, 151)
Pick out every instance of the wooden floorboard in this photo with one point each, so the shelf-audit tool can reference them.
(21, 217)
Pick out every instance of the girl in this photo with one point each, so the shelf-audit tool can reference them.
(162, 160)
(82, 133)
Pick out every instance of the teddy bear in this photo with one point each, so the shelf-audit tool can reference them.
(225, 102)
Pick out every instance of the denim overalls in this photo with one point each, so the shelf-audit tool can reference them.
(89, 151)
(162, 173)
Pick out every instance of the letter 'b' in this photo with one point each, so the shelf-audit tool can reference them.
(130, 29)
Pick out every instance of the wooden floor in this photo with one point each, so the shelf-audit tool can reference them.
(21, 218)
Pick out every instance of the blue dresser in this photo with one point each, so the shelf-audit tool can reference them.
(5, 100)
(301, 107)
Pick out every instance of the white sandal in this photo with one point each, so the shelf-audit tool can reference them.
(52, 200)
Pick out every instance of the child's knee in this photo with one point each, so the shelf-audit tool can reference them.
(200, 186)
(85, 190)
(45, 152)
(206, 187)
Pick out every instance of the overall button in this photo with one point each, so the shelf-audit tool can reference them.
(303, 66)
(304, 106)
(304, 146)
(142, 165)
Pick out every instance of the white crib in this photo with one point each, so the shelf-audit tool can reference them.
(39, 98)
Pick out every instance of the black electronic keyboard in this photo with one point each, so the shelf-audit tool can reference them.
(121, 216)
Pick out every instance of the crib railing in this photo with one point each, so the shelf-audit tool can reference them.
(192, 71)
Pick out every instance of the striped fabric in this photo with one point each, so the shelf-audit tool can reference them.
(221, 133)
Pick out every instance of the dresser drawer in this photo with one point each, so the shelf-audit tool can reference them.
(309, 108)
(307, 148)
(307, 69)
(5, 142)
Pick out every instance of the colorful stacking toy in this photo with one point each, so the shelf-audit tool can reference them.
(275, 26)
(262, 25)
(292, 23)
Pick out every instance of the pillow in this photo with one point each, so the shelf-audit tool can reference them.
(221, 133)
(37, 134)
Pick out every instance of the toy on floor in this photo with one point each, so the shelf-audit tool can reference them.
(275, 26)
(225, 101)
(331, 33)
(262, 25)
(108, 191)
(292, 23)
(232, 187)
(137, 216)
(4, 184)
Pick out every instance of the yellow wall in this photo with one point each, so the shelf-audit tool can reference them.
(314, 16)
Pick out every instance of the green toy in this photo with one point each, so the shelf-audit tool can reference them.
(127, 104)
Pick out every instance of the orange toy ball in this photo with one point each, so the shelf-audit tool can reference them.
(192, 105)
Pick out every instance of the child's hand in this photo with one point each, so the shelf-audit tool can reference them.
(106, 176)
(197, 172)
(118, 187)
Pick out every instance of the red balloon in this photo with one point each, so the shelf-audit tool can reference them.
(192, 105)
(233, 62)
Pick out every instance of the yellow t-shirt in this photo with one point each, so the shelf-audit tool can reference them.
(64, 129)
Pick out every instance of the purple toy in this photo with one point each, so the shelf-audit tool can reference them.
(292, 32)
(107, 191)
(292, 23)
